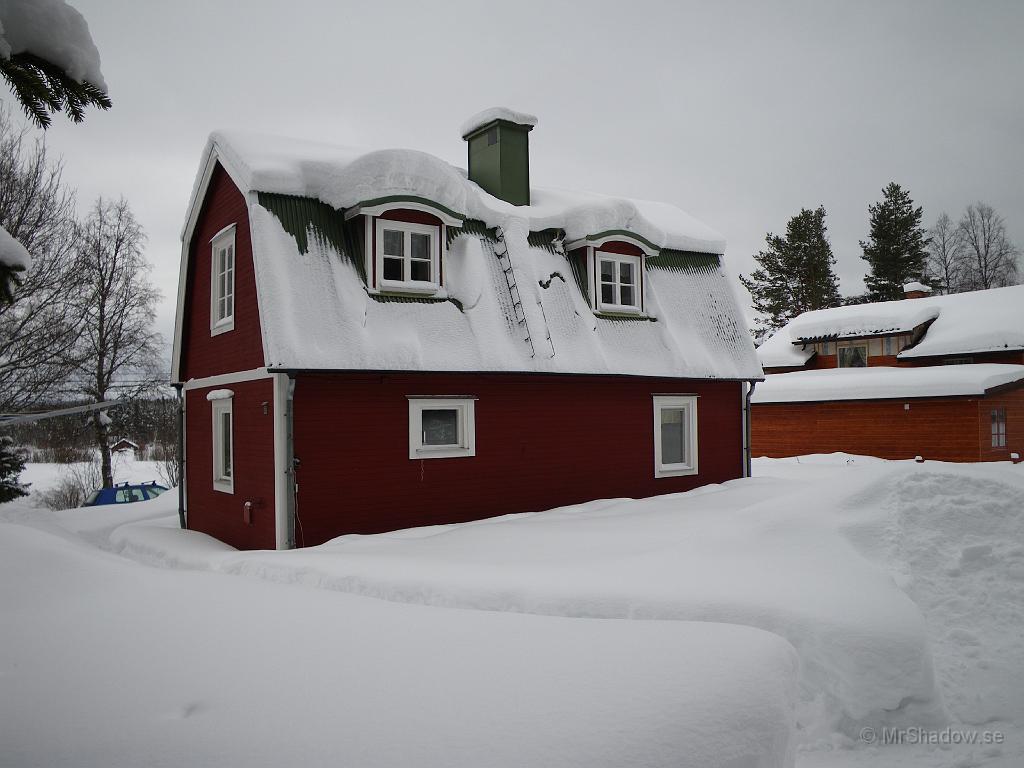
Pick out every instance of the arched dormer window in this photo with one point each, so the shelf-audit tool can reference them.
(405, 245)
(615, 271)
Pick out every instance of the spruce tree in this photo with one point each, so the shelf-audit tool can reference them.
(896, 249)
(796, 273)
(12, 463)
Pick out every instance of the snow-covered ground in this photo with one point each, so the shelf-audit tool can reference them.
(802, 614)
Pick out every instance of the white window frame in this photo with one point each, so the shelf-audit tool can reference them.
(409, 229)
(851, 345)
(619, 258)
(673, 402)
(222, 482)
(222, 241)
(464, 406)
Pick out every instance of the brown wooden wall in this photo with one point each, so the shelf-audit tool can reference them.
(945, 429)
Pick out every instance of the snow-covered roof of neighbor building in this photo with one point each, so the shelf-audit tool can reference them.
(881, 382)
(482, 118)
(52, 30)
(915, 285)
(316, 311)
(960, 323)
(13, 253)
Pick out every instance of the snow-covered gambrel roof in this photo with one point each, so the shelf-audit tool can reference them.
(316, 311)
(957, 324)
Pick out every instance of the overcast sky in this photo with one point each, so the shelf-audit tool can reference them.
(739, 113)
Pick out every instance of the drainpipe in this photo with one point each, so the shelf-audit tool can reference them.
(291, 462)
(747, 450)
(181, 456)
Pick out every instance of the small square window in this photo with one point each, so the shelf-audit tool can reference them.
(407, 256)
(618, 276)
(675, 435)
(442, 427)
(853, 356)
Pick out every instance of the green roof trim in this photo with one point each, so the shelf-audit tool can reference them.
(472, 227)
(684, 261)
(389, 199)
(397, 298)
(301, 216)
(621, 233)
(545, 238)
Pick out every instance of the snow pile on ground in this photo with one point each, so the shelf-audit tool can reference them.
(758, 553)
(107, 662)
(482, 118)
(52, 30)
(13, 253)
(884, 382)
(898, 586)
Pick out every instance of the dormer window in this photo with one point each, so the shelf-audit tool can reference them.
(619, 278)
(613, 267)
(407, 255)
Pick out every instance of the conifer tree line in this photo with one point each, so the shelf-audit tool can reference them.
(796, 271)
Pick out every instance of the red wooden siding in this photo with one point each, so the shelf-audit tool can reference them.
(946, 429)
(541, 442)
(240, 349)
(620, 246)
(215, 512)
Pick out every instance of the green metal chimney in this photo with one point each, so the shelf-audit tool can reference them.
(499, 153)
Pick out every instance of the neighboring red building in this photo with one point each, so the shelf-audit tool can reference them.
(939, 377)
(369, 341)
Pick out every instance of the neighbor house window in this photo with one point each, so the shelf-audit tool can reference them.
(441, 427)
(853, 356)
(998, 427)
(407, 256)
(675, 435)
(618, 277)
(874, 347)
(223, 446)
(222, 287)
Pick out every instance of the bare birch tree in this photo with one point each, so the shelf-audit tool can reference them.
(991, 258)
(946, 255)
(40, 328)
(120, 350)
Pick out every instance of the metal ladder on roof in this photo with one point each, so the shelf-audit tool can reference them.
(518, 313)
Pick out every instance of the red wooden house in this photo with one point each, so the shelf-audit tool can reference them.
(940, 377)
(369, 341)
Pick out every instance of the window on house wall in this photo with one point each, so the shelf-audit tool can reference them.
(853, 356)
(223, 446)
(998, 427)
(675, 435)
(874, 347)
(441, 427)
(618, 278)
(407, 256)
(222, 285)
